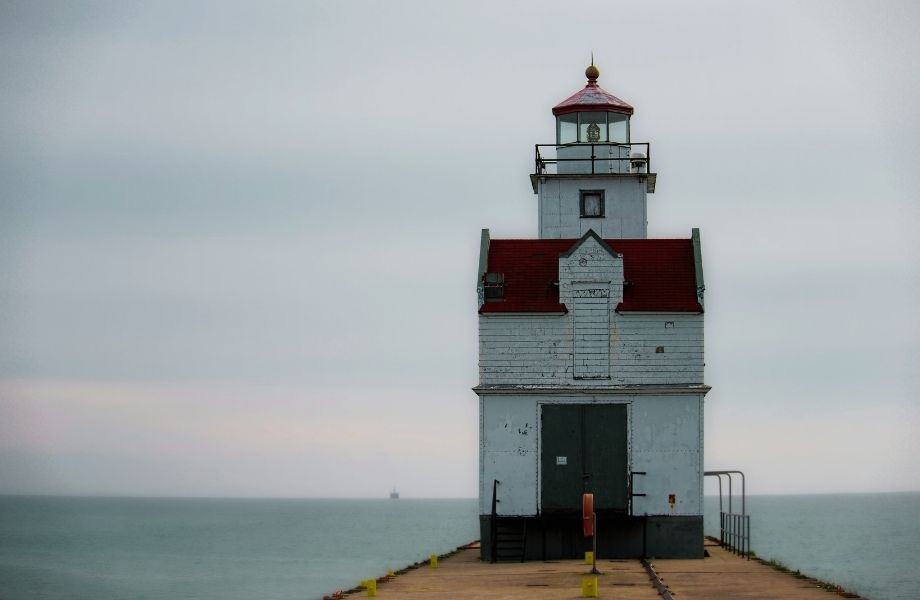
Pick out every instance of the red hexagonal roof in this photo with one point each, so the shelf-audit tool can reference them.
(592, 97)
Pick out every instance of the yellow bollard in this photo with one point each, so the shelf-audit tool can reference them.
(589, 558)
(589, 586)
(433, 561)
(371, 586)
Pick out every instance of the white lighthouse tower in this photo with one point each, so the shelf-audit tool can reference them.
(593, 177)
(591, 356)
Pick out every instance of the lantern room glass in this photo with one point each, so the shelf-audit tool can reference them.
(592, 127)
(618, 124)
(567, 129)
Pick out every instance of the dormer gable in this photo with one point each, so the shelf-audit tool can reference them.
(590, 264)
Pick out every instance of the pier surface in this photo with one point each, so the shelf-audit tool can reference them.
(722, 575)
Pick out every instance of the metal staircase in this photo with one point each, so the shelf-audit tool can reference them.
(508, 534)
(510, 539)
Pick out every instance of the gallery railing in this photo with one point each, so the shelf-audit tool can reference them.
(592, 158)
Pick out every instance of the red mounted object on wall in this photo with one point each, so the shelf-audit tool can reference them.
(587, 514)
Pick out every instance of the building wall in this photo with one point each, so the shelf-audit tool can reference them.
(538, 350)
(665, 440)
(625, 211)
(568, 349)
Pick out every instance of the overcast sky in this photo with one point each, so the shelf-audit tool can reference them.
(238, 242)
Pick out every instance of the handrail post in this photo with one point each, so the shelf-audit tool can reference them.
(493, 534)
(737, 533)
(743, 494)
(720, 493)
(729, 493)
(748, 517)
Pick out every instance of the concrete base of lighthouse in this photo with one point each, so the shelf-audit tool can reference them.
(559, 536)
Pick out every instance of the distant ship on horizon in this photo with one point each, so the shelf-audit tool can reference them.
(394, 495)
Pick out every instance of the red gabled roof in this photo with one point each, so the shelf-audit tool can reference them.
(659, 275)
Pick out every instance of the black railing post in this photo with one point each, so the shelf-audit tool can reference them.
(493, 534)
(748, 518)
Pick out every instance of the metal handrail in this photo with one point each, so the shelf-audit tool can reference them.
(493, 532)
(735, 533)
(734, 529)
(542, 162)
(631, 493)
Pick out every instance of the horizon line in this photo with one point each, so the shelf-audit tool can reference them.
(229, 497)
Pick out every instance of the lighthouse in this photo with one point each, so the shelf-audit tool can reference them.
(591, 356)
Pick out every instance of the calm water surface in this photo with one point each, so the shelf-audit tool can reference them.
(868, 543)
(166, 549)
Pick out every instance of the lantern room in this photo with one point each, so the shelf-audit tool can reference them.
(592, 130)
(592, 115)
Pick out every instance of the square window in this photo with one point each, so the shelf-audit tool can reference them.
(592, 204)
(493, 286)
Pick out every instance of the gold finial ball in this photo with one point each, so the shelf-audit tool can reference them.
(592, 73)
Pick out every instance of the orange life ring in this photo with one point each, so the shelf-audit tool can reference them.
(587, 514)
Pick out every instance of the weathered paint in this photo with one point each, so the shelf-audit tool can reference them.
(665, 440)
(542, 350)
(667, 443)
(591, 315)
(625, 207)
(508, 453)
(538, 350)
(650, 363)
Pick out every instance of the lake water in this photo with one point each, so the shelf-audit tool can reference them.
(868, 543)
(169, 549)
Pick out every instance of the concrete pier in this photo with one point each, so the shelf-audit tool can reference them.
(721, 575)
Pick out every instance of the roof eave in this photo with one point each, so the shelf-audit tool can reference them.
(573, 108)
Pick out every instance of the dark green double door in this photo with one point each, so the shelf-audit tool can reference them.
(583, 449)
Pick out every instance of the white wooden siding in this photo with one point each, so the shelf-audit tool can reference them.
(625, 213)
(536, 350)
(591, 333)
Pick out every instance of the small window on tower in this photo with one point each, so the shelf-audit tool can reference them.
(592, 203)
(494, 286)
